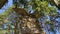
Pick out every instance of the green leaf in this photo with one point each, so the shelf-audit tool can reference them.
(38, 9)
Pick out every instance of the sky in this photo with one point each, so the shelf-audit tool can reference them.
(10, 3)
(6, 6)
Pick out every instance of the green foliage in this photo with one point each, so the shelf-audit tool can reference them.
(58, 0)
(40, 7)
(48, 22)
(51, 25)
(4, 15)
(52, 11)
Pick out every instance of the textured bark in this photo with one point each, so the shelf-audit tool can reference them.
(30, 25)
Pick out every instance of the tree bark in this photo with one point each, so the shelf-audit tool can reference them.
(30, 25)
(2, 2)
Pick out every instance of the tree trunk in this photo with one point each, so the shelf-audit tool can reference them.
(2, 2)
(30, 25)
(16, 25)
(15, 30)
